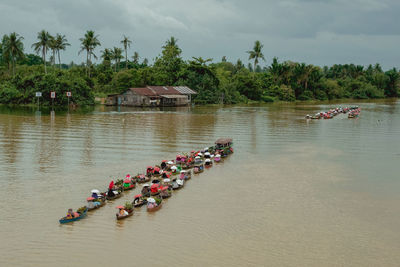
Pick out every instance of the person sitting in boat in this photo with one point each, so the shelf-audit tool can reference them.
(122, 211)
(70, 214)
(94, 195)
(145, 190)
(163, 164)
(92, 203)
(110, 193)
(166, 175)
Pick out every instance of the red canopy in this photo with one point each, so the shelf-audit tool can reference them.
(127, 181)
(164, 160)
(139, 195)
(156, 169)
(164, 188)
(149, 167)
(111, 185)
(90, 198)
(120, 207)
(154, 186)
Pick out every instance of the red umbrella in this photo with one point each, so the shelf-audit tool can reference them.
(149, 167)
(140, 195)
(164, 160)
(156, 169)
(120, 207)
(127, 181)
(154, 186)
(111, 185)
(90, 198)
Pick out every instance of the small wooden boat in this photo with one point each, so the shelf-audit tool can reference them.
(102, 203)
(141, 178)
(165, 192)
(121, 217)
(198, 169)
(117, 195)
(177, 184)
(154, 204)
(81, 216)
(139, 201)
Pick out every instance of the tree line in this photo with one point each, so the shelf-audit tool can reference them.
(21, 75)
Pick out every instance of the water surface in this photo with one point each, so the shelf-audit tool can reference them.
(295, 193)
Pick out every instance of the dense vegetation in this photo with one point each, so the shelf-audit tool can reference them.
(21, 75)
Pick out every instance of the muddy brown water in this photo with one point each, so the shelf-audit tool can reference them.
(294, 193)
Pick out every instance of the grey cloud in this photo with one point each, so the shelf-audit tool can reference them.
(318, 32)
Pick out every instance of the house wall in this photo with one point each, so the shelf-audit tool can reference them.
(129, 98)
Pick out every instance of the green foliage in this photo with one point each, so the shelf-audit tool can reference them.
(21, 75)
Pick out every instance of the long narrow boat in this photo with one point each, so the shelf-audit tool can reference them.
(121, 217)
(81, 216)
(114, 197)
(102, 203)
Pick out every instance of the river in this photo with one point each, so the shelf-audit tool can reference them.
(296, 192)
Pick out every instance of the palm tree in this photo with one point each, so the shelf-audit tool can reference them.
(117, 55)
(61, 44)
(13, 49)
(42, 45)
(135, 58)
(200, 61)
(127, 43)
(256, 53)
(52, 46)
(172, 42)
(106, 55)
(88, 43)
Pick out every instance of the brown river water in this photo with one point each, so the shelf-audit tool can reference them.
(294, 193)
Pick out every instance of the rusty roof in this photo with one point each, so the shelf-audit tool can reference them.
(162, 90)
(144, 91)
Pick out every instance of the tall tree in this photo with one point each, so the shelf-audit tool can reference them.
(88, 43)
(13, 49)
(127, 44)
(117, 55)
(135, 58)
(107, 56)
(52, 47)
(42, 45)
(256, 53)
(61, 44)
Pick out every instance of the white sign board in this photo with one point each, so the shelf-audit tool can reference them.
(69, 94)
(38, 94)
(53, 94)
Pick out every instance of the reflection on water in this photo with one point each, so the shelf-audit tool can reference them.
(296, 192)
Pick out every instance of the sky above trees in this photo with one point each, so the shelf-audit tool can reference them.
(323, 32)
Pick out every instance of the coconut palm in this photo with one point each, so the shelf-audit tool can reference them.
(172, 42)
(42, 45)
(256, 53)
(52, 47)
(127, 44)
(117, 55)
(61, 44)
(88, 43)
(13, 49)
(135, 58)
(106, 55)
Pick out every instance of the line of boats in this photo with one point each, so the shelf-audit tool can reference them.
(158, 181)
(353, 112)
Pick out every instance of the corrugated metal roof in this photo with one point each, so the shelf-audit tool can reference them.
(164, 90)
(174, 96)
(144, 91)
(184, 90)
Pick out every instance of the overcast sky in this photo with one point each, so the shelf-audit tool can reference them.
(321, 32)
